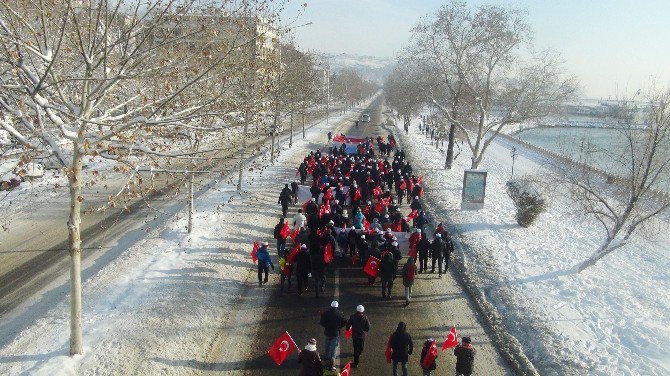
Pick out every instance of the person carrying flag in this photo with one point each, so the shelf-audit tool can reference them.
(310, 361)
(264, 262)
(359, 325)
(428, 366)
(281, 241)
(332, 321)
(465, 357)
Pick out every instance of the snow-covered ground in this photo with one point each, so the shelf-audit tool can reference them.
(612, 319)
(166, 298)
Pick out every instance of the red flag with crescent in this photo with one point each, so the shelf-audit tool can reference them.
(294, 252)
(328, 254)
(282, 348)
(402, 186)
(366, 224)
(430, 357)
(348, 333)
(412, 215)
(294, 234)
(285, 230)
(346, 371)
(377, 191)
(372, 267)
(254, 250)
(452, 339)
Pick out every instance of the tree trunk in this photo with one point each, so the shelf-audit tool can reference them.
(190, 203)
(241, 164)
(290, 137)
(74, 242)
(448, 163)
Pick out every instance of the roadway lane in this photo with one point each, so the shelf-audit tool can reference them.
(437, 305)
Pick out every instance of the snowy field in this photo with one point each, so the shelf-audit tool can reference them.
(612, 319)
(161, 307)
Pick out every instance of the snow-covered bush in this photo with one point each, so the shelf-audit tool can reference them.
(528, 200)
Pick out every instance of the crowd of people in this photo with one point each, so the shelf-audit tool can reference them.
(353, 213)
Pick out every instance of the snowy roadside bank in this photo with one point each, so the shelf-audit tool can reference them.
(566, 323)
(159, 305)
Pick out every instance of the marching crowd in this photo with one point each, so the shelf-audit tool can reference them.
(373, 190)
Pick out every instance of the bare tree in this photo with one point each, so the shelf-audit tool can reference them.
(404, 91)
(122, 80)
(485, 81)
(640, 165)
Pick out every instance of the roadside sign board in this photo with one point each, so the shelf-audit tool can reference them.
(474, 190)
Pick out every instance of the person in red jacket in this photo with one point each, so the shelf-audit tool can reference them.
(408, 274)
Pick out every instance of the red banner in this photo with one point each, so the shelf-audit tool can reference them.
(254, 258)
(282, 348)
(372, 267)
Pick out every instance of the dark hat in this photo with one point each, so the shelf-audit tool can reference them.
(466, 339)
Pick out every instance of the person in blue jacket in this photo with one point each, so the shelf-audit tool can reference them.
(264, 263)
(358, 220)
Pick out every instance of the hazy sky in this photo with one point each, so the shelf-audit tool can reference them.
(612, 46)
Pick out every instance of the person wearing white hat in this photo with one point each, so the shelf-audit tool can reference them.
(309, 359)
(332, 321)
(359, 325)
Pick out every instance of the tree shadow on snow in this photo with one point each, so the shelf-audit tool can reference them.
(543, 277)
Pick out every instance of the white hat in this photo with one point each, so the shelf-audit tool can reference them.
(331, 222)
(395, 244)
(386, 215)
(304, 246)
(265, 243)
(311, 345)
(313, 199)
(418, 230)
(360, 308)
(335, 201)
(362, 236)
(438, 235)
(416, 197)
(334, 304)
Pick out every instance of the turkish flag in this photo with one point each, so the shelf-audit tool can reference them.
(328, 254)
(421, 192)
(418, 180)
(452, 339)
(348, 333)
(377, 191)
(402, 186)
(254, 258)
(294, 234)
(380, 206)
(412, 215)
(294, 252)
(366, 224)
(389, 351)
(346, 371)
(413, 242)
(357, 194)
(284, 231)
(282, 348)
(430, 357)
(372, 267)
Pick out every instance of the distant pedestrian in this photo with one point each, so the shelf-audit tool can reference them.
(387, 273)
(465, 357)
(281, 241)
(264, 263)
(294, 192)
(285, 198)
(401, 348)
(310, 361)
(427, 368)
(359, 325)
(332, 321)
(408, 274)
(299, 220)
(438, 250)
(330, 135)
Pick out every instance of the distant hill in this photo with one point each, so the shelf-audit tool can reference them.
(373, 68)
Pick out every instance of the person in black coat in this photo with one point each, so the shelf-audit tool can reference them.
(448, 250)
(294, 192)
(303, 263)
(359, 325)
(401, 348)
(465, 357)
(387, 273)
(421, 221)
(332, 321)
(423, 248)
(303, 172)
(416, 204)
(281, 242)
(438, 249)
(285, 198)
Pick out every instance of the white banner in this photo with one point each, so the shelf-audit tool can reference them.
(304, 194)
